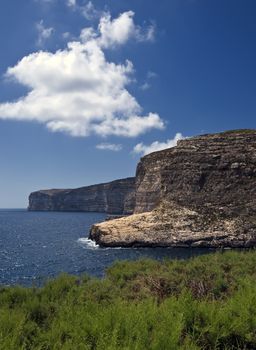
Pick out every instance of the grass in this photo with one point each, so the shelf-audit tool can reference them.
(208, 302)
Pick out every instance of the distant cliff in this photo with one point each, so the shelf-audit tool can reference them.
(116, 197)
(200, 193)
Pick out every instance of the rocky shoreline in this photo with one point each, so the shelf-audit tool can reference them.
(183, 229)
(201, 193)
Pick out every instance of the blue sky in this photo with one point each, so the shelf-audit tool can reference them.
(87, 88)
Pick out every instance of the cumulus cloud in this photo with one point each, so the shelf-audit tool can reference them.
(109, 147)
(140, 148)
(77, 91)
(43, 33)
(122, 28)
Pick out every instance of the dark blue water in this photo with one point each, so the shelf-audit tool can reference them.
(35, 246)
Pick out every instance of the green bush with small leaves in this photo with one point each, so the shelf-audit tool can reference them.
(207, 302)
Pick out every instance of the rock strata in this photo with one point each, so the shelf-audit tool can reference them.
(200, 193)
(116, 197)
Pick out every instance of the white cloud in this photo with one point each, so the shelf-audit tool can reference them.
(140, 148)
(121, 29)
(43, 33)
(77, 91)
(146, 33)
(116, 31)
(89, 11)
(132, 126)
(109, 147)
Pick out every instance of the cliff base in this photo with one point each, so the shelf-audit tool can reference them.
(171, 225)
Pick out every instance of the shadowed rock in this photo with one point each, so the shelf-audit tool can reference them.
(116, 197)
(200, 193)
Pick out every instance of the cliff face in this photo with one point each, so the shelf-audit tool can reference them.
(116, 197)
(205, 187)
(205, 172)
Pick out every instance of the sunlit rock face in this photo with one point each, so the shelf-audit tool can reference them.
(116, 197)
(200, 193)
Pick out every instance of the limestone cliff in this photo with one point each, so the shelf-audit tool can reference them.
(200, 193)
(116, 197)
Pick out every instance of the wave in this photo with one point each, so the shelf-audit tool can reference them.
(88, 243)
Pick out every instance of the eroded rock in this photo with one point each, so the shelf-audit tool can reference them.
(200, 193)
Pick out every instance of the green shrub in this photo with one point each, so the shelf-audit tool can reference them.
(207, 302)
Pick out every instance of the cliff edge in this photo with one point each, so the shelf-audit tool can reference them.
(200, 193)
(116, 197)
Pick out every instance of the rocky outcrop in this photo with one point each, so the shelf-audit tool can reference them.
(116, 197)
(200, 193)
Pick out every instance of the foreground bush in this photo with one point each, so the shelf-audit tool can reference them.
(208, 302)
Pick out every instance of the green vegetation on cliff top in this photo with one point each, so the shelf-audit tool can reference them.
(208, 302)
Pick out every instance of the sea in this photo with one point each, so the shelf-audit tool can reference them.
(37, 246)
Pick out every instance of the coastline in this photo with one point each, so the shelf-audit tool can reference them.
(200, 193)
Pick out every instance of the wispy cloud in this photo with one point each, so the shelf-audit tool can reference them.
(147, 84)
(66, 35)
(77, 90)
(151, 75)
(109, 147)
(143, 149)
(44, 33)
(71, 3)
(90, 12)
(87, 10)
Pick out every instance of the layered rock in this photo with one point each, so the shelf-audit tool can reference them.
(116, 197)
(200, 193)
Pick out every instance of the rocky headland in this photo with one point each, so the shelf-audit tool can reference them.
(116, 197)
(201, 193)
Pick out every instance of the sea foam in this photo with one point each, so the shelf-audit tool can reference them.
(88, 243)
